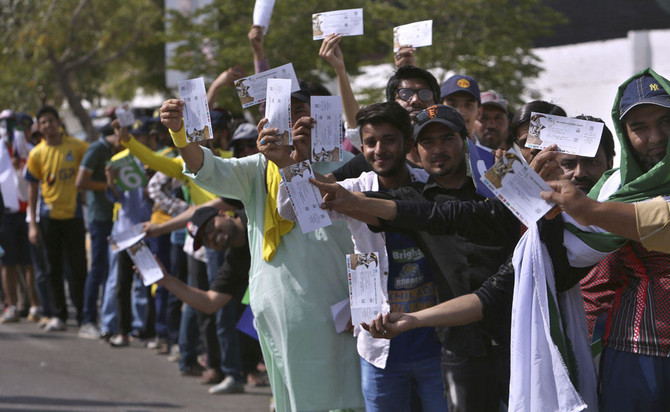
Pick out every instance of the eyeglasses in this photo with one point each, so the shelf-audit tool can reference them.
(407, 94)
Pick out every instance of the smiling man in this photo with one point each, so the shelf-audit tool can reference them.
(584, 172)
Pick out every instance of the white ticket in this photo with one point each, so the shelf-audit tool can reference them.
(125, 239)
(327, 133)
(262, 14)
(125, 115)
(343, 22)
(305, 197)
(251, 90)
(572, 136)
(197, 122)
(418, 34)
(145, 262)
(365, 293)
(278, 108)
(518, 187)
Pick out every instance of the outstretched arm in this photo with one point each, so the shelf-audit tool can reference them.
(207, 301)
(459, 311)
(226, 78)
(330, 52)
(354, 204)
(615, 217)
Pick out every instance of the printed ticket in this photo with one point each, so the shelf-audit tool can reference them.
(278, 108)
(327, 133)
(305, 197)
(127, 238)
(572, 136)
(518, 187)
(197, 122)
(418, 34)
(125, 115)
(343, 22)
(252, 89)
(145, 263)
(366, 298)
(263, 13)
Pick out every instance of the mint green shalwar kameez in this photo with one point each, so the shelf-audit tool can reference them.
(311, 367)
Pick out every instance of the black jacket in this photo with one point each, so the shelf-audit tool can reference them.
(465, 237)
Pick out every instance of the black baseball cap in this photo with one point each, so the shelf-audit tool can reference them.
(440, 113)
(197, 222)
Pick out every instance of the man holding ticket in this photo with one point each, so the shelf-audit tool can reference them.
(389, 369)
(310, 366)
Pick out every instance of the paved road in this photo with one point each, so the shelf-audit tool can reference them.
(59, 372)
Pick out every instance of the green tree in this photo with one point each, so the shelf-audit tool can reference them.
(488, 39)
(75, 50)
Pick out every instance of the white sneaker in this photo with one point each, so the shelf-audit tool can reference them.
(10, 315)
(228, 385)
(34, 314)
(55, 324)
(89, 331)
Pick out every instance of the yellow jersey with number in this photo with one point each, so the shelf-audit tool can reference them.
(55, 167)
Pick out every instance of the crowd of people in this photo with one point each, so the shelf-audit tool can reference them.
(481, 313)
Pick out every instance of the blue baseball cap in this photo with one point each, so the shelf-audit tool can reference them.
(643, 90)
(142, 125)
(460, 83)
(220, 118)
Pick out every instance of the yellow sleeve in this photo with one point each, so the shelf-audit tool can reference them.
(170, 166)
(653, 224)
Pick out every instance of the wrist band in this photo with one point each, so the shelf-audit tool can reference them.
(179, 137)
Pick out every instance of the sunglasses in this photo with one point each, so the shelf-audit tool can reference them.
(407, 94)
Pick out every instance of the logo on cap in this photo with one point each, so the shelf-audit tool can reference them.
(653, 87)
(464, 83)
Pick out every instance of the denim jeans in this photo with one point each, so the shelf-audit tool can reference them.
(97, 275)
(108, 321)
(188, 338)
(226, 321)
(390, 389)
(38, 255)
(633, 382)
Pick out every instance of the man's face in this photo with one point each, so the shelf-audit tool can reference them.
(299, 109)
(383, 148)
(494, 127)
(442, 151)
(466, 105)
(219, 232)
(219, 139)
(414, 105)
(49, 125)
(520, 139)
(648, 128)
(245, 147)
(583, 171)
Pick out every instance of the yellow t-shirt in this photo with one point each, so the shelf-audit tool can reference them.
(56, 168)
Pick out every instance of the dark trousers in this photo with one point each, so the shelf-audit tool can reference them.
(124, 284)
(177, 269)
(65, 243)
(197, 272)
(476, 383)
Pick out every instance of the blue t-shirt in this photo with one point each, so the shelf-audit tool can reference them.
(410, 289)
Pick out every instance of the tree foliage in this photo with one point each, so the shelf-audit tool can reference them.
(490, 40)
(77, 50)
